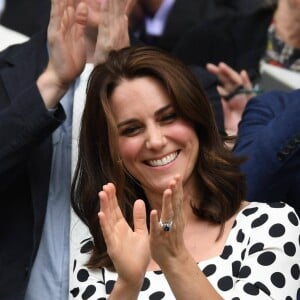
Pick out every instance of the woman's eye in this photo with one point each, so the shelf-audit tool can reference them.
(130, 131)
(168, 117)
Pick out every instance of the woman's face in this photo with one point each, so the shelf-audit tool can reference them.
(154, 143)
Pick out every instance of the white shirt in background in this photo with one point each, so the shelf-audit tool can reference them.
(10, 37)
(156, 25)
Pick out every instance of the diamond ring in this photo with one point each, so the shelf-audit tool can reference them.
(166, 226)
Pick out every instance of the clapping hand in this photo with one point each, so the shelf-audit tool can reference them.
(131, 250)
(128, 249)
(67, 49)
(168, 245)
(112, 28)
(66, 41)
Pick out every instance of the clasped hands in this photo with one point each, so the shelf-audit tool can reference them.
(132, 249)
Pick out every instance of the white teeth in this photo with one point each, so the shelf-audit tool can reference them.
(164, 161)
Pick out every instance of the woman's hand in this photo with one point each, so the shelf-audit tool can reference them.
(128, 249)
(112, 28)
(168, 246)
(67, 49)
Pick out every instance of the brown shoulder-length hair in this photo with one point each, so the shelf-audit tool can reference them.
(222, 184)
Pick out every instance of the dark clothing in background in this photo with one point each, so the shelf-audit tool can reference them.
(238, 40)
(26, 16)
(184, 15)
(269, 135)
(25, 162)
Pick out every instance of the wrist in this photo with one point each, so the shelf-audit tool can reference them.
(171, 263)
(126, 290)
(50, 89)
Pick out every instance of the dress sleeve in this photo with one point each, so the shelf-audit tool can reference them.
(271, 261)
(86, 283)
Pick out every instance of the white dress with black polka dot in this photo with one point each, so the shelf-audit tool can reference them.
(261, 260)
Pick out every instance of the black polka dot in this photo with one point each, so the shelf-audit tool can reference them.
(82, 275)
(277, 204)
(249, 211)
(87, 247)
(244, 272)
(278, 279)
(236, 265)
(240, 236)
(209, 270)
(234, 224)
(263, 288)
(75, 292)
(158, 272)
(225, 283)
(85, 240)
(109, 286)
(266, 258)
(74, 264)
(293, 218)
(226, 252)
(89, 291)
(243, 254)
(295, 271)
(146, 284)
(288, 298)
(251, 289)
(260, 221)
(235, 298)
(256, 248)
(157, 296)
(277, 230)
(289, 249)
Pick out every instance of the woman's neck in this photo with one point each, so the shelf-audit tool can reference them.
(287, 23)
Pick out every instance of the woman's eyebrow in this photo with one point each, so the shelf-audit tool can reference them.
(162, 110)
(126, 122)
(157, 113)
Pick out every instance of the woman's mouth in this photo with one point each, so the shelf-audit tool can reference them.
(163, 161)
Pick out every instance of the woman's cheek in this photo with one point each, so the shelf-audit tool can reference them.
(129, 148)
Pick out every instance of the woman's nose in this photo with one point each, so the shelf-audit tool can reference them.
(155, 138)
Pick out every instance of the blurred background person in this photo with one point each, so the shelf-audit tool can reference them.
(39, 82)
(268, 135)
(163, 22)
(283, 46)
(239, 39)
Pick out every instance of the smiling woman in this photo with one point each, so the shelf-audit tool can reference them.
(174, 223)
(154, 142)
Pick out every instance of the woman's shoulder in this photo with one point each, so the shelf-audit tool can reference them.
(269, 219)
(273, 209)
